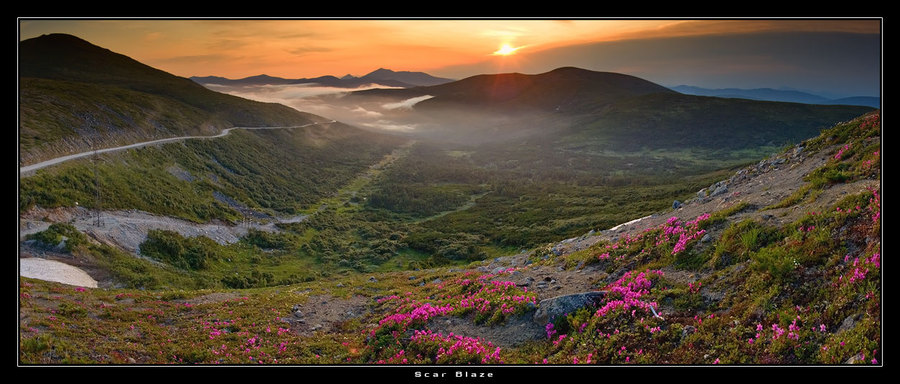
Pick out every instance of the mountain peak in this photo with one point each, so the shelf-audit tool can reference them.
(406, 77)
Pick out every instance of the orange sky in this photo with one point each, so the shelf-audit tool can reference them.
(310, 48)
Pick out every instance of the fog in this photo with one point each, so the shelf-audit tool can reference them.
(402, 114)
(328, 102)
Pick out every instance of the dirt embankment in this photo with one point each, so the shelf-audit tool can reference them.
(128, 229)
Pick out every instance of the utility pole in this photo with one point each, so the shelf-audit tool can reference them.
(98, 199)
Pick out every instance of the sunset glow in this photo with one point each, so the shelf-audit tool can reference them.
(506, 50)
(306, 48)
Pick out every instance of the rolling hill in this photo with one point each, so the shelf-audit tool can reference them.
(609, 109)
(74, 95)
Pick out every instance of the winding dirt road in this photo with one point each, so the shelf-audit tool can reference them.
(28, 169)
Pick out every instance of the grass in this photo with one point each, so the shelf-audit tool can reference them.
(771, 312)
(759, 294)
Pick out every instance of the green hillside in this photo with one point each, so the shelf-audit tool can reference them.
(74, 96)
(795, 283)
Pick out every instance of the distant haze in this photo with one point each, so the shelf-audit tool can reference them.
(831, 64)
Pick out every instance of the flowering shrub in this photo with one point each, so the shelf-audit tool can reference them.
(671, 238)
(402, 336)
(626, 293)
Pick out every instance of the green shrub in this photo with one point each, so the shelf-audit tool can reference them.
(56, 233)
(186, 253)
(778, 262)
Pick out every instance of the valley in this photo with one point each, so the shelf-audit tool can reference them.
(567, 217)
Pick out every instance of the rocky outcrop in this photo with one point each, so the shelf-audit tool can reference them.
(549, 309)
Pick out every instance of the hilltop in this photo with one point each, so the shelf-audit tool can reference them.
(75, 96)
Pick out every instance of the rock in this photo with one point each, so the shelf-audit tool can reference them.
(372, 279)
(497, 270)
(719, 190)
(297, 313)
(855, 359)
(706, 238)
(849, 322)
(436, 281)
(676, 204)
(549, 309)
(687, 331)
(701, 193)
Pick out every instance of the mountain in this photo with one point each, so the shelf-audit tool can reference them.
(252, 80)
(612, 110)
(565, 89)
(74, 95)
(381, 76)
(778, 95)
(412, 78)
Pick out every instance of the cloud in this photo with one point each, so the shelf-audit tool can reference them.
(388, 125)
(365, 112)
(406, 104)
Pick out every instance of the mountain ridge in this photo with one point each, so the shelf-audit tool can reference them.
(771, 94)
(381, 76)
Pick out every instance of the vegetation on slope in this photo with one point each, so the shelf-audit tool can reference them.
(808, 292)
(264, 172)
(74, 96)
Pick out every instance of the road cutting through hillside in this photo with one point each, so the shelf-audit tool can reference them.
(28, 169)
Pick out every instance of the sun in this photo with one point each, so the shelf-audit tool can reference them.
(506, 50)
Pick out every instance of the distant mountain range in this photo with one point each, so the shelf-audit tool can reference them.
(381, 76)
(75, 95)
(770, 94)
